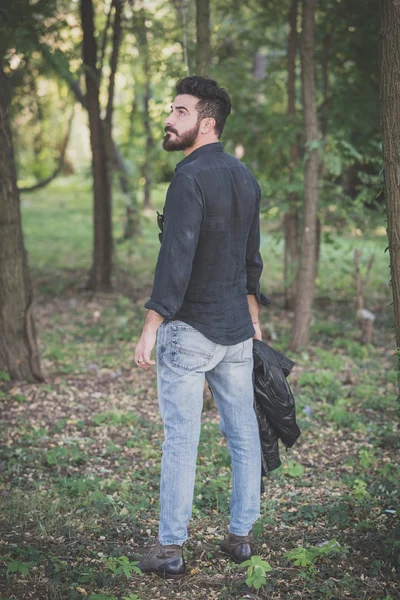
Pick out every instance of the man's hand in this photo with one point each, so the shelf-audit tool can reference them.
(253, 309)
(143, 349)
(148, 340)
(258, 334)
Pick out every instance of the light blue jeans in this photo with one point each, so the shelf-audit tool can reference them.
(185, 358)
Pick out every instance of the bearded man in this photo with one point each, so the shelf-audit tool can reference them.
(203, 314)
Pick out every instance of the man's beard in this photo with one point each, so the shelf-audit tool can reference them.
(184, 141)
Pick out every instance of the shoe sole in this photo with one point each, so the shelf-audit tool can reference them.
(164, 575)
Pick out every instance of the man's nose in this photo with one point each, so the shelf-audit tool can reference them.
(169, 120)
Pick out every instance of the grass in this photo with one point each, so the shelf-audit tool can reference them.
(81, 452)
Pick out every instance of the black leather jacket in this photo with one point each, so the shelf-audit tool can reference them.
(274, 403)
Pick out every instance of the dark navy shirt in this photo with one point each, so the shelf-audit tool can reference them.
(210, 253)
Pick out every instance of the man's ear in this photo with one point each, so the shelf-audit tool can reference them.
(207, 125)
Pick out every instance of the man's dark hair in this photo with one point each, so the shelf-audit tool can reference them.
(214, 101)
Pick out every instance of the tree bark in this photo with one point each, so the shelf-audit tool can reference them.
(291, 220)
(19, 355)
(144, 53)
(390, 126)
(107, 124)
(100, 274)
(132, 213)
(203, 37)
(306, 275)
(181, 7)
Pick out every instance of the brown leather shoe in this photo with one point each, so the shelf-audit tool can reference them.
(165, 561)
(238, 547)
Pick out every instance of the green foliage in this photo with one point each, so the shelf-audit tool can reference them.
(342, 417)
(360, 490)
(353, 349)
(64, 455)
(114, 417)
(307, 556)
(20, 398)
(16, 566)
(293, 469)
(323, 382)
(4, 376)
(257, 570)
(122, 565)
(366, 458)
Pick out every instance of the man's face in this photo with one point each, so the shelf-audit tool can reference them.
(182, 126)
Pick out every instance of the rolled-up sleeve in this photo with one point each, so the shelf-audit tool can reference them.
(183, 215)
(254, 263)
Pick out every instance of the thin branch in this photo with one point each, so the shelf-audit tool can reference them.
(61, 161)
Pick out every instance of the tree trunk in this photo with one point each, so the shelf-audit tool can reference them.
(390, 124)
(203, 37)
(181, 8)
(100, 274)
(145, 53)
(291, 220)
(107, 124)
(307, 268)
(149, 144)
(19, 355)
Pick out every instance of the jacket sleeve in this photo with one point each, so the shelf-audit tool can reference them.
(254, 263)
(183, 215)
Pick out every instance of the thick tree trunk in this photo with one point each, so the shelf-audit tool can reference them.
(100, 274)
(390, 124)
(291, 220)
(203, 37)
(18, 348)
(307, 268)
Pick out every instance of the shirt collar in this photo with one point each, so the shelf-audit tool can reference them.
(213, 147)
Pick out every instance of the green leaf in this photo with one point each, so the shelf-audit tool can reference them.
(16, 566)
(258, 582)
(246, 563)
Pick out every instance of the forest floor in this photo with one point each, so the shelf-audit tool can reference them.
(80, 456)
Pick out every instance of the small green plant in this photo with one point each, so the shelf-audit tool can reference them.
(293, 469)
(354, 349)
(131, 597)
(62, 455)
(19, 398)
(256, 572)
(307, 556)
(16, 566)
(4, 376)
(360, 490)
(366, 458)
(122, 565)
(343, 417)
(114, 417)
